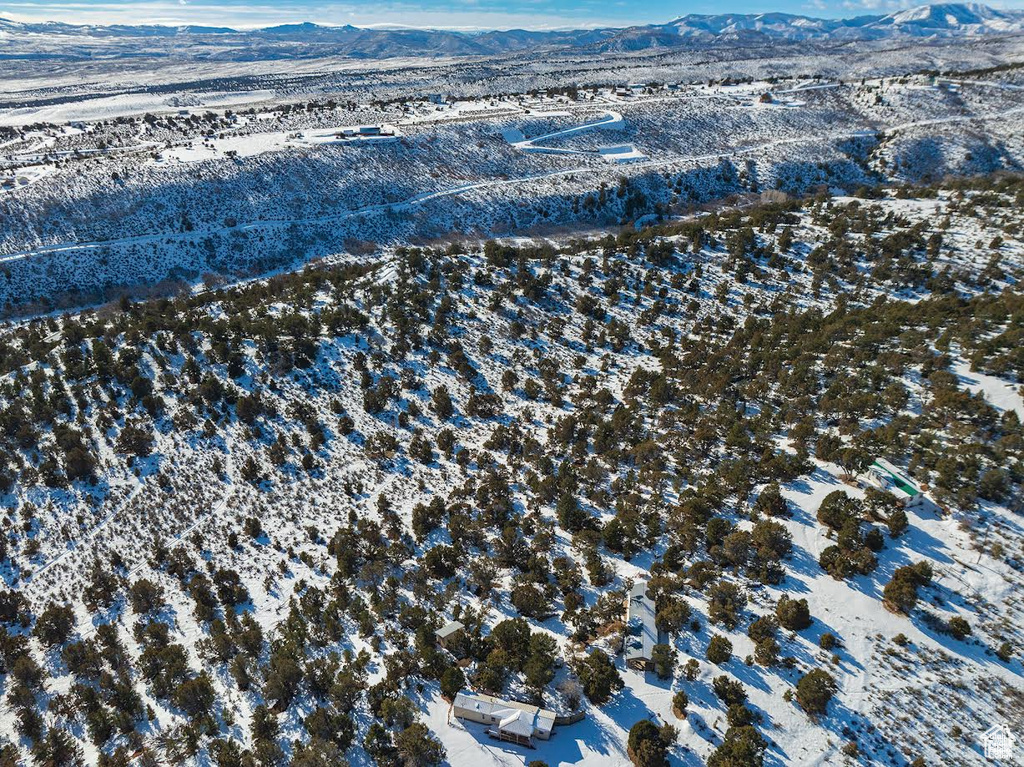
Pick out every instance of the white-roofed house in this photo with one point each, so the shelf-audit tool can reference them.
(509, 720)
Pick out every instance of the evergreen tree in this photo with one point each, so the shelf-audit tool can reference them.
(793, 614)
(55, 624)
(645, 746)
(600, 679)
(416, 746)
(663, 658)
(741, 747)
(452, 680)
(719, 649)
(814, 690)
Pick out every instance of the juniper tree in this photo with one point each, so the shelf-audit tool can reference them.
(814, 690)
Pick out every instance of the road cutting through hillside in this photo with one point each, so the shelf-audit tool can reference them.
(167, 238)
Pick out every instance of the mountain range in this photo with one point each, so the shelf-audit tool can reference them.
(943, 20)
(927, 21)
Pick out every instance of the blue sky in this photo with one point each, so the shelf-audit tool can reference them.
(467, 14)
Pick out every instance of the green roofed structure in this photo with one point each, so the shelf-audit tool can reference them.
(889, 477)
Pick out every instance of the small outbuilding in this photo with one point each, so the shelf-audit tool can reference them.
(449, 634)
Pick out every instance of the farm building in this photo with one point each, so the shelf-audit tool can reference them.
(510, 721)
(641, 629)
(886, 476)
(449, 634)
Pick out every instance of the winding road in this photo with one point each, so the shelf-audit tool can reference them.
(420, 199)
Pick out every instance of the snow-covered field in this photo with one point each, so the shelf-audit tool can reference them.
(112, 107)
(252, 144)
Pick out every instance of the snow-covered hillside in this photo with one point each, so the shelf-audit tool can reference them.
(402, 397)
(936, 20)
(236, 518)
(89, 210)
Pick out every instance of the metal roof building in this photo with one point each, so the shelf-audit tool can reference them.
(887, 476)
(641, 628)
(449, 629)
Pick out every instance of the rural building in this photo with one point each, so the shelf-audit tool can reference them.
(623, 91)
(886, 476)
(641, 629)
(365, 131)
(508, 720)
(449, 634)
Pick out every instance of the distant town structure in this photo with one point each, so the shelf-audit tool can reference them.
(509, 721)
(449, 634)
(365, 131)
(641, 628)
(886, 476)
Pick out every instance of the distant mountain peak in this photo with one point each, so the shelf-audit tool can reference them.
(941, 19)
